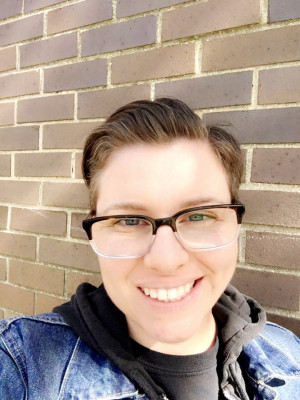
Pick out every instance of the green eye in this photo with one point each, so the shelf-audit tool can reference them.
(196, 217)
(131, 221)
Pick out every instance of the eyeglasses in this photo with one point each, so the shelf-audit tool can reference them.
(198, 228)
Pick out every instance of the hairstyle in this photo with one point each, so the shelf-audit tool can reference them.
(156, 122)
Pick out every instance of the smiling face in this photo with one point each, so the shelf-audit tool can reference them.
(168, 294)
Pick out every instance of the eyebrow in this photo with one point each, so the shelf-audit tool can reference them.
(126, 207)
(140, 208)
(202, 202)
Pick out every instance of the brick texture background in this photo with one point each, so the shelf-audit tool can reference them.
(66, 64)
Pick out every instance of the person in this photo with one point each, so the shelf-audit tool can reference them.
(166, 323)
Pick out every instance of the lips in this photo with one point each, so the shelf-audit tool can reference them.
(166, 295)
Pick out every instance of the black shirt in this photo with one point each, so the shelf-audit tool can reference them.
(192, 377)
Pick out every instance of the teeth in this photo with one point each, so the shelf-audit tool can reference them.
(162, 294)
(169, 294)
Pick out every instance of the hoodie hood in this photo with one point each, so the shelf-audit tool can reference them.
(99, 323)
(240, 319)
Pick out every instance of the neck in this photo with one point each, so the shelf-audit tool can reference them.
(199, 343)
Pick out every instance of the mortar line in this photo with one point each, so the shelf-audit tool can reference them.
(8, 218)
(264, 11)
(152, 91)
(12, 165)
(159, 28)
(75, 103)
(198, 58)
(114, 10)
(109, 72)
(283, 312)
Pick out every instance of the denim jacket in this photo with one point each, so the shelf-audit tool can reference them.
(41, 358)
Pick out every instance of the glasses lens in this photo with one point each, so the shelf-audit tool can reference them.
(122, 237)
(207, 229)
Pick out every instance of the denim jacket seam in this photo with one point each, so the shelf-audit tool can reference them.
(119, 395)
(54, 320)
(66, 375)
(286, 355)
(11, 347)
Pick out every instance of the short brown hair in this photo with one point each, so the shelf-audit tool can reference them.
(157, 122)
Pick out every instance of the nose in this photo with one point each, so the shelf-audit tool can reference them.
(166, 253)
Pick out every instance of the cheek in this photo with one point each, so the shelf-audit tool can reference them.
(220, 263)
(116, 275)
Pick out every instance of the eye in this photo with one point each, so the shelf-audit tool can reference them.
(130, 221)
(200, 217)
(196, 217)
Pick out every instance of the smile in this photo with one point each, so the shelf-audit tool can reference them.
(166, 295)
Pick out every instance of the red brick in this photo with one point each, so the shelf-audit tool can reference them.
(280, 125)
(271, 208)
(46, 108)
(70, 254)
(123, 35)
(290, 323)
(19, 138)
(21, 192)
(74, 279)
(17, 299)
(20, 84)
(38, 221)
(17, 245)
(45, 303)
(10, 8)
(36, 276)
(3, 217)
(47, 50)
(75, 76)
(78, 161)
(282, 10)
(268, 288)
(7, 112)
(2, 278)
(25, 28)
(65, 195)
(101, 103)
(130, 7)
(8, 58)
(30, 5)
(67, 135)
(276, 166)
(76, 225)
(43, 164)
(244, 152)
(280, 85)
(73, 16)
(173, 61)
(260, 249)
(210, 16)
(210, 91)
(254, 48)
(2, 269)
(5, 164)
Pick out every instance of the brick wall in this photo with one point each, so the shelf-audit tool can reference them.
(65, 65)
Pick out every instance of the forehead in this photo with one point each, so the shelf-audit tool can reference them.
(162, 177)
